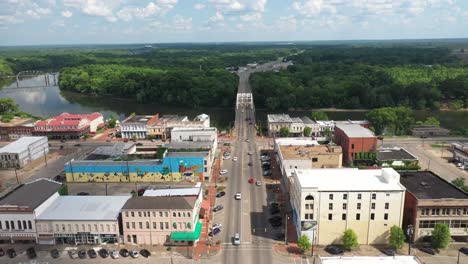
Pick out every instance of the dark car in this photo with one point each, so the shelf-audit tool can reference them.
(214, 232)
(54, 253)
(77, 145)
(267, 173)
(464, 250)
(82, 254)
(428, 250)
(104, 253)
(2, 252)
(274, 204)
(279, 236)
(389, 251)
(220, 194)
(335, 250)
(218, 208)
(92, 253)
(274, 210)
(276, 224)
(82, 193)
(265, 158)
(124, 253)
(145, 253)
(31, 253)
(250, 163)
(11, 253)
(58, 178)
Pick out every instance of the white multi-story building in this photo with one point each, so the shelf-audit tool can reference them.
(23, 151)
(20, 207)
(276, 122)
(137, 126)
(326, 202)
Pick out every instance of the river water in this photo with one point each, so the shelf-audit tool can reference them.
(51, 101)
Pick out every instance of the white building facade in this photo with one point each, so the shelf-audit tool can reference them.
(326, 202)
(23, 151)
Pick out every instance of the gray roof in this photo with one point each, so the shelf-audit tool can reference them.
(279, 118)
(118, 149)
(159, 202)
(296, 120)
(307, 120)
(142, 119)
(174, 192)
(189, 144)
(113, 163)
(20, 145)
(194, 129)
(354, 130)
(31, 194)
(84, 208)
(394, 154)
(188, 154)
(427, 185)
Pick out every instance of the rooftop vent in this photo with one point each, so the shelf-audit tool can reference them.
(424, 184)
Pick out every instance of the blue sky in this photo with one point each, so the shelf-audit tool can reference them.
(33, 22)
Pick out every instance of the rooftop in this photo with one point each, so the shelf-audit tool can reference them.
(159, 202)
(141, 119)
(114, 163)
(84, 208)
(279, 118)
(296, 141)
(307, 120)
(188, 154)
(18, 121)
(297, 120)
(31, 194)
(355, 130)
(118, 149)
(191, 129)
(370, 260)
(175, 118)
(395, 153)
(427, 185)
(189, 144)
(351, 179)
(66, 119)
(194, 191)
(305, 152)
(20, 145)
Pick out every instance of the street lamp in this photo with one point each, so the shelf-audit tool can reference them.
(409, 232)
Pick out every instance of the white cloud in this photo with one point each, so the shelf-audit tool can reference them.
(199, 6)
(43, 11)
(239, 5)
(217, 17)
(182, 23)
(152, 9)
(56, 25)
(67, 13)
(32, 14)
(251, 17)
(287, 23)
(7, 19)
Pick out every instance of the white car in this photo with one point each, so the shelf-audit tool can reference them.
(114, 254)
(224, 171)
(134, 254)
(250, 153)
(216, 226)
(234, 159)
(258, 183)
(247, 140)
(226, 157)
(238, 196)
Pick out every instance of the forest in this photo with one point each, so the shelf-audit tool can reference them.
(344, 77)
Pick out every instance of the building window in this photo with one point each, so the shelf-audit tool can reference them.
(344, 206)
(188, 214)
(133, 225)
(330, 206)
(167, 225)
(387, 205)
(144, 214)
(127, 225)
(7, 225)
(19, 224)
(24, 225)
(307, 206)
(174, 214)
(178, 214)
(343, 217)
(359, 206)
(140, 225)
(358, 216)
(372, 216)
(352, 146)
(374, 196)
(12, 224)
(126, 214)
(306, 216)
(132, 214)
(155, 225)
(314, 159)
(372, 205)
(139, 214)
(129, 239)
(359, 196)
(385, 216)
(330, 196)
(147, 225)
(345, 196)
(445, 211)
(160, 214)
(161, 225)
(330, 217)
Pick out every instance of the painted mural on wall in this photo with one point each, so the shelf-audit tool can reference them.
(176, 169)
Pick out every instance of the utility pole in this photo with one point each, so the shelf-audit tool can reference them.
(16, 174)
(45, 156)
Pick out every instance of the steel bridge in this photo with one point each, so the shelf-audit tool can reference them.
(50, 79)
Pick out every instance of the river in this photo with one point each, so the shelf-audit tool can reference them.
(51, 101)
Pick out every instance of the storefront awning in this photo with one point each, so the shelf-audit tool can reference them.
(189, 236)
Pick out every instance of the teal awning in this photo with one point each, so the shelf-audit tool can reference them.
(189, 236)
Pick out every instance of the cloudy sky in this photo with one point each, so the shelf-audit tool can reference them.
(32, 22)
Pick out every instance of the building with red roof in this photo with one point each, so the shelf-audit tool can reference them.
(69, 126)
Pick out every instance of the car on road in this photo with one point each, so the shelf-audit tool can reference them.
(464, 250)
(266, 163)
(251, 180)
(265, 158)
(2, 252)
(11, 253)
(31, 252)
(104, 253)
(226, 157)
(214, 232)
(92, 253)
(223, 171)
(82, 254)
(82, 193)
(73, 254)
(216, 226)
(139, 144)
(124, 252)
(238, 196)
(279, 236)
(335, 250)
(145, 253)
(114, 254)
(54, 253)
(218, 208)
(247, 140)
(234, 159)
(250, 163)
(389, 252)
(58, 178)
(250, 153)
(134, 254)
(274, 210)
(258, 183)
(220, 194)
(267, 173)
(428, 250)
(236, 239)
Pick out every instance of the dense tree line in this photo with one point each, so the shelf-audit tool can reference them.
(364, 78)
(183, 87)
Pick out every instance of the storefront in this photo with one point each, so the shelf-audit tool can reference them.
(189, 238)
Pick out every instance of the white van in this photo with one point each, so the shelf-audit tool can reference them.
(236, 239)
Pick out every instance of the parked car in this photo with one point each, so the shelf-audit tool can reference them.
(258, 183)
(2, 252)
(104, 253)
(73, 254)
(223, 171)
(389, 251)
(251, 180)
(220, 194)
(226, 157)
(265, 158)
(82, 254)
(238, 196)
(92, 253)
(218, 208)
(54, 253)
(428, 250)
(139, 144)
(279, 236)
(236, 239)
(247, 140)
(267, 173)
(134, 254)
(250, 153)
(335, 250)
(31, 252)
(145, 253)
(214, 232)
(274, 210)
(216, 226)
(250, 163)
(114, 254)
(234, 159)
(124, 252)
(266, 163)
(11, 253)
(464, 250)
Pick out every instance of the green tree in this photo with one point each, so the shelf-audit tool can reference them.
(7, 105)
(459, 182)
(431, 121)
(284, 132)
(307, 131)
(440, 236)
(272, 103)
(112, 121)
(304, 243)
(404, 120)
(381, 118)
(350, 240)
(397, 237)
(327, 132)
(319, 115)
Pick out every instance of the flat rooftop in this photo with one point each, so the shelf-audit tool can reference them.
(138, 119)
(355, 130)
(189, 144)
(160, 202)
(295, 141)
(306, 152)
(188, 154)
(279, 118)
(350, 179)
(31, 194)
(194, 191)
(428, 185)
(20, 145)
(370, 260)
(118, 149)
(17, 121)
(192, 129)
(395, 153)
(114, 163)
(84, 208)
(307, 120)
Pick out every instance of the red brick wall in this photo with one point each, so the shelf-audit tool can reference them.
(353, 145)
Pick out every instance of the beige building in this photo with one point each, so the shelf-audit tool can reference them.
(326, 202)
(163, 217)
(163, 127)
(81, 220)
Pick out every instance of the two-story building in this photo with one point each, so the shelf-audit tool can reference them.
(20, 207)
(162, 129)
(326, 202)
(354, 138)
(276, 122)
(69, 126)
(16, 128)
(136, 126)
(23, 151)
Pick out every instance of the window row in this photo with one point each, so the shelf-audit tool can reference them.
(83, 228)
(21, 225)
(359, 196)
(162, 225)
(358, 206)
(451, 224)
(154, 214)
(358, 216)
(444, 211)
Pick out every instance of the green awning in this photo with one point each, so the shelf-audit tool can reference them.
(189, 236)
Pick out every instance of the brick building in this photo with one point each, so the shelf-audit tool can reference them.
(69, 126)
(16, 128)
(354, 138)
